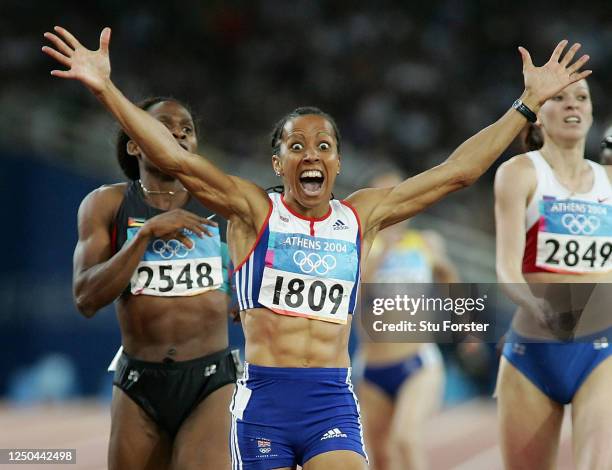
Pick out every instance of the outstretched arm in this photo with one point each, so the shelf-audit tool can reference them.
(225, 194)
(380, 208)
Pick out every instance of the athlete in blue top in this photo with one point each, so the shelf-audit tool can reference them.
(398, 375)
(298, 256)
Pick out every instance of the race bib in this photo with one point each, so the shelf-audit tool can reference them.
(309, 277)
(169, 268)
(574, 236)
(404, 266)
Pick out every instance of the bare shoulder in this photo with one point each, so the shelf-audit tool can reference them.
(515, 182)
(364, 195)
(256, 196)
(518, 171)
(365, 200)
(103, 202)
(519, 164)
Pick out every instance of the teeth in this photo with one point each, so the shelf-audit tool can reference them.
(311, 174)
(572, 119)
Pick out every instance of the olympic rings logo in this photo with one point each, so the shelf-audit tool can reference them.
(313, 262)
(580, 223)
(170, 248)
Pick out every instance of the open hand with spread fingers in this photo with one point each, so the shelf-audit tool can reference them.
(546, 81)
(92, 68)
(172, 224)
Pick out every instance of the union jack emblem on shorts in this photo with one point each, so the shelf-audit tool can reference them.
(264, 446)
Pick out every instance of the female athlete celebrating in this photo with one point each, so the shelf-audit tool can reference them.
(298, 255)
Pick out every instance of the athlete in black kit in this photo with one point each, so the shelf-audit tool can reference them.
(148, 244)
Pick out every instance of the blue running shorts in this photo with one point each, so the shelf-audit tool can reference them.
(285, 416)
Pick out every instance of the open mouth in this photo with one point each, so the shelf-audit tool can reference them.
(572, 120)
(311, 181)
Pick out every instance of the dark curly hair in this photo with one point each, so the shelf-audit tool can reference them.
(127, 162)
(302, 111)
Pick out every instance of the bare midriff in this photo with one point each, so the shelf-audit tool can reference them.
(177, 328)
(275, 340)
(588, 304)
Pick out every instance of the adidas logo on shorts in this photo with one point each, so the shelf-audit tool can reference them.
(339, 225)
(333, 433)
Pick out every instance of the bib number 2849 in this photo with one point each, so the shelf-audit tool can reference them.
(572, 254)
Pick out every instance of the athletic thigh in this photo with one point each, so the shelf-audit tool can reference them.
(341, 459)
(417, 400)
(376, 413)
(136, 442)
(530, 422)
(592, 418)
(203, 439)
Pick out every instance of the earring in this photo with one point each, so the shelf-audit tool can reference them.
(277, 173)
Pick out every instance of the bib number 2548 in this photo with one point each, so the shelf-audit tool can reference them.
(164, 281)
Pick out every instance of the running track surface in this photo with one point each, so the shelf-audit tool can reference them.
(461, 438)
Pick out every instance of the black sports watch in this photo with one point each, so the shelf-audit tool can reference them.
(524, 110)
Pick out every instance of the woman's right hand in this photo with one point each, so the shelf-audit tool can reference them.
(542, 312)
(92, 68)
(172, 225)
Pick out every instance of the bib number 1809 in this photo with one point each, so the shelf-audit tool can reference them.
(316, 297)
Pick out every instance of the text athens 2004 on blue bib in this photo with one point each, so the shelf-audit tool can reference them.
(309, 276)
(574, 236)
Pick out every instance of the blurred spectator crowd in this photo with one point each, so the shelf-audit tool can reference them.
(406, 81)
